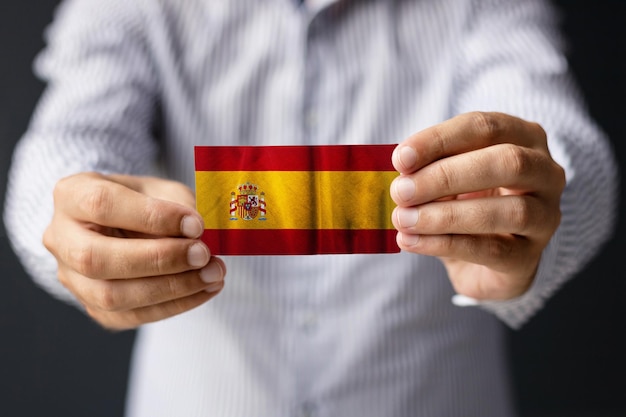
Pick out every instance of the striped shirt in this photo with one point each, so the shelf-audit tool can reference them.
(134, 85)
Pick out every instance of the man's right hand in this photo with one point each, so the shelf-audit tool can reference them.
(128, 248)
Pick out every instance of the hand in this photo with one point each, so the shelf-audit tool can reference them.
(127, 248)
(481, 192)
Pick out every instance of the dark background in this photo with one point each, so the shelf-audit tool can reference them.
(569, 361)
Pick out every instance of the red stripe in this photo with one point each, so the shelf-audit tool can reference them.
(294, 158)
(299, 241)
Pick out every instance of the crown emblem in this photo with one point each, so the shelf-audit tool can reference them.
(247, 203)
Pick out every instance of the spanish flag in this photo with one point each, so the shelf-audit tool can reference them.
(296, 200)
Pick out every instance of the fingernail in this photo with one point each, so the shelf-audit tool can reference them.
(212, 273)
(197, 255)
(406, 157)
(191, 227)
(214, 287)
(404, 188)
(409, 240)
(407, 217)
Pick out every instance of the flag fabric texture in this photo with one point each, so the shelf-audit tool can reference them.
(296, 200)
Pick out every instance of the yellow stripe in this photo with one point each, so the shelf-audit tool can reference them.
(299, 199)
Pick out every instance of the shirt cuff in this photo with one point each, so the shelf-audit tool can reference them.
(517, 311)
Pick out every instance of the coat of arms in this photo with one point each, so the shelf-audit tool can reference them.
(248, 203)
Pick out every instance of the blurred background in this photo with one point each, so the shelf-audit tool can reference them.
(569, 361)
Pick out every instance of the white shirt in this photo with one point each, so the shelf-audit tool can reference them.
(136, 83)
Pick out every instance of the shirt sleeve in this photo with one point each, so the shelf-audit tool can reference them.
(95, 115)
(513, 61)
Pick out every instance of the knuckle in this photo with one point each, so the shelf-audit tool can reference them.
(67, 185)
(540, 133)
(497, 248)
(448, 216)
(95, 315)
(177, 188)
(97, 203)
(152, 216)
(60, 189)
(444, 178)
(487, 124)
(520, 216)
(175, 286)
(183, 304)
(48, 239)
(85, 261)
(159, 259)
(134, 318)
(63, 279)
(161, 311)
(472, 246)
(480, 219)
(179, 305)
(449, 244)
(110, 321)
(443, 245)
(439, 139)
(517, 160)
(106, 298)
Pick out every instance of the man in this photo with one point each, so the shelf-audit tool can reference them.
(490, 131)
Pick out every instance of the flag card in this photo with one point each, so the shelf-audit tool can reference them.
(296, 200)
